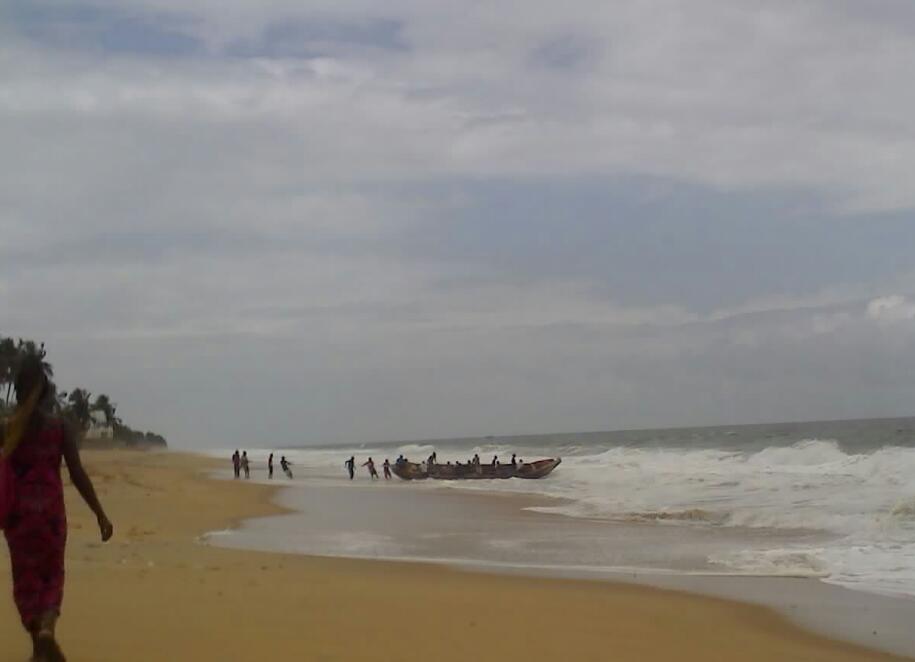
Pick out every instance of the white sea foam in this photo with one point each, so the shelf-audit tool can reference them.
(781, 562)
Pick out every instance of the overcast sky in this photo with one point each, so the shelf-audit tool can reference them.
(269, 222)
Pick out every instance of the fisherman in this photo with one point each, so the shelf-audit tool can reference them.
(284, 465)
(495, 461)
(270, 467)
(236, 463)
(350, 465)
(387, 469)
(514, 461)
(371, 465)
(245, 466)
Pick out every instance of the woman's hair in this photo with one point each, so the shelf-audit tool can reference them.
(32, 388)
(31, 375)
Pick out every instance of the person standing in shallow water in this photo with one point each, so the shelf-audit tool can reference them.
(246, 465)
(34, 442)
(270, 467)
(350, 465)
(373, 474)
(387, 469)
(236, 463)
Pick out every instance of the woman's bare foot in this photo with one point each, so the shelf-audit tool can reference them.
(46, 648)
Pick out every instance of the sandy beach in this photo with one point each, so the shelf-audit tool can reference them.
(155, 592)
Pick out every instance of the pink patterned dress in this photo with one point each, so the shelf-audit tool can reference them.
(36, 531)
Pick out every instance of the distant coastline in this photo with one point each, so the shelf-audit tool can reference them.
(95, 420)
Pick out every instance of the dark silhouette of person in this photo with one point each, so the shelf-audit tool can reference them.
(387, 469)
(284, 465)
(373, 474)
(245, 465)
(350, 465)
(270, 467)
(236, 463)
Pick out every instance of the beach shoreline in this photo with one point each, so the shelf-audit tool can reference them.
(446, 527)
(155, 585)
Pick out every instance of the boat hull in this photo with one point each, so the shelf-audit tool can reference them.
(528, 471)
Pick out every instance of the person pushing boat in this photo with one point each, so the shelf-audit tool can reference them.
(373, 473)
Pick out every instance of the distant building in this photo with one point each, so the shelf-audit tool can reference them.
(98, 427)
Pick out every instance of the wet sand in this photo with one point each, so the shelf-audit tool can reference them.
(497, 532)
(155, 592)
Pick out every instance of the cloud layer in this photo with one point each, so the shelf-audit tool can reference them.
(395, 220)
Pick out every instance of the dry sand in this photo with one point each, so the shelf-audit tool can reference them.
(155, 593)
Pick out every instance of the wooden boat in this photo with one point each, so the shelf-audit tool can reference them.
(529, 470)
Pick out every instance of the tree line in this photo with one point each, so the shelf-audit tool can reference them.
(77, 406)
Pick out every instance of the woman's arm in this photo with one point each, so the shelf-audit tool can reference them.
(84, 485)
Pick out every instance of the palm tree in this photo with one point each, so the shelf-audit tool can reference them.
(9, 356)
(104, 404)
(80, 407)
(60, 402)
(28, 348)
(75, 405)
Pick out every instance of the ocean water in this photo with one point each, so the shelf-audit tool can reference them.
(833, 500)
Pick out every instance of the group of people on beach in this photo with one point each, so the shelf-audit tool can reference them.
(241, 464)
(431, 465)
(350, 465)
(473, 466)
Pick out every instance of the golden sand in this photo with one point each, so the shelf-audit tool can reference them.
(155, 593)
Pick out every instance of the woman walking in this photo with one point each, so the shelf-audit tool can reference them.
(33, 443)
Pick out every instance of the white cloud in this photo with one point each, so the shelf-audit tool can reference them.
(724, 94)
(893, 308)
